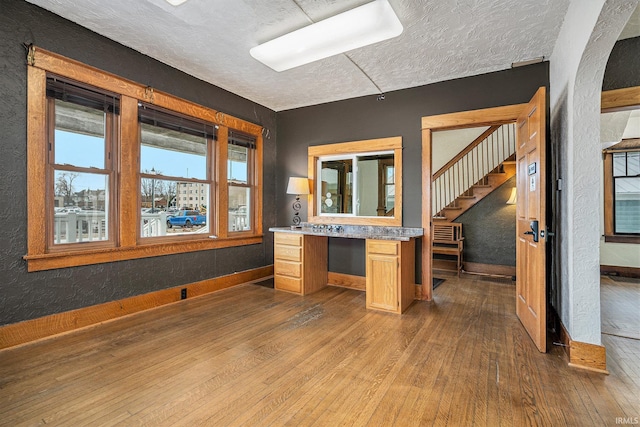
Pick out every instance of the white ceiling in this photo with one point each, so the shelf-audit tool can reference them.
(210, 39)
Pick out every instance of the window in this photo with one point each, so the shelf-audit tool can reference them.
(240, 159)
(175, 152)
(622, 192)
(82, 123)
(109, 163)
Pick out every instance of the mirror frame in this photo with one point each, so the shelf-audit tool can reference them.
(356, 147)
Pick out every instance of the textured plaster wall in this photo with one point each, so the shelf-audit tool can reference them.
(623, 65)
(489, 228)
(577, 68)
(398, 115)
(30, 295)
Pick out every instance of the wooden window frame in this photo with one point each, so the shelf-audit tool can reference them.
(251, 171)
(111, 150)
(209, 180)
(128, 245)
(616, 100)
(609, 201)
(352, 148)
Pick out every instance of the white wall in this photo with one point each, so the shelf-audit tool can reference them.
(447, 143)
(577, 65)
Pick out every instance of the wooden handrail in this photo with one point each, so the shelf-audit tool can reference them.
(464, 152)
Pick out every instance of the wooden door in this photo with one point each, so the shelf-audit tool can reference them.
(531, 297)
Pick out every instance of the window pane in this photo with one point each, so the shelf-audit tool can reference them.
(173, 153)
(633, 163)
(79, 135)
(81, 207)
(237, 164)
(239, 208)
(619, 164)
(627, 205)
(164, 213)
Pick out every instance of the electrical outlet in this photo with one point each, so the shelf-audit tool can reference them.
(183, 293)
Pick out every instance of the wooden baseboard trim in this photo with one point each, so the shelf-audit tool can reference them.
(489, 269)
(588, 356)
(615, 270)
(47, 326)
(346, 280)
(591, 357)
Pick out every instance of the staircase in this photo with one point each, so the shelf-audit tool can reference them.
(484, 165)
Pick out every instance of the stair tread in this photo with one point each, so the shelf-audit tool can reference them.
(452, 208)
(482, 185)
(466, 197)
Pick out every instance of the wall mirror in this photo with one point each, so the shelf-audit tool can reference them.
(357, 182)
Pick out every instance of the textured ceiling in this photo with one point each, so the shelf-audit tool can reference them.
(210, 39)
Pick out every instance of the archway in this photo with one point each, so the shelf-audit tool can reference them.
(576, 73)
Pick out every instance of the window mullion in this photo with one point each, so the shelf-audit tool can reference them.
(222, 187)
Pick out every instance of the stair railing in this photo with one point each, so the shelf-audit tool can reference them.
(472, 166)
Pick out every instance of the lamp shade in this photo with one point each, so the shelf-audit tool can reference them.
(512, 197)
(362, 26)
(298, 186)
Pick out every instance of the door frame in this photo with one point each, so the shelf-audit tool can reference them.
(450, 121)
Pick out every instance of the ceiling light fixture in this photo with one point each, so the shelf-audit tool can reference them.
(176, 2)
(362, 26)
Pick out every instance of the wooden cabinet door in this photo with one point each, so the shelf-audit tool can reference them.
(383, 276)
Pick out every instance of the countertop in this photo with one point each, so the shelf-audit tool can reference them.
(354, 231)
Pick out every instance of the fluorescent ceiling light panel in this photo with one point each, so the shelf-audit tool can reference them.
(176, 2)
(362, 26)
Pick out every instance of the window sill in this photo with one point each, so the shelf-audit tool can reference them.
(622, 239)
(56, 260)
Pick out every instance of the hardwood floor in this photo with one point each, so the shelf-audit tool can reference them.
(620, 306)
(252, 356)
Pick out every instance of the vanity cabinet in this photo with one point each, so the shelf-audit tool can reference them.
(390, 274)
(300, 262)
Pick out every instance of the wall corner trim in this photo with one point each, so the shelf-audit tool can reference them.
(45, 327)
(591, 357)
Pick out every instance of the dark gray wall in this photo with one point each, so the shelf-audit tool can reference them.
(399, 114)
(623, 66)
(29, 295)
(489, 228)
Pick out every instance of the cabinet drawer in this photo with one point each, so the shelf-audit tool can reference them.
(288, 239)
(382, 247)
(289, 253)
(288, 284)
(287, 268)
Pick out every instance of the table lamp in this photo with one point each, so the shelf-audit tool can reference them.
(297, 186)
